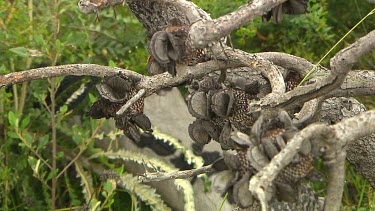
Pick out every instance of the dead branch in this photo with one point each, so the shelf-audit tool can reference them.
(341, 64)
(64, 70)
(355, 127)
(269, 70)
(344, 60)
(264, 178)
(329, 140)
(287, 61)
(357, 83)
(336, 179)
(204, 32)
(150, 84)
(346, 131)
(160, 176)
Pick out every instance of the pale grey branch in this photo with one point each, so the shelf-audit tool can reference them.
(336, 179)
(160, 176)
(64, 70)
(341, 64)
(134, 99)
(205, 32)
(356, 127)
(264, 178)
(344, 60)
(269, 70)
(287, 61)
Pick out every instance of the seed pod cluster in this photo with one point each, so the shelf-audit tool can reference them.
(114, 92)
(291, 7)
(253, 152)
(172, 46)
(220, 108)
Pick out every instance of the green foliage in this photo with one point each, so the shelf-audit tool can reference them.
(144, 192)
(153, 163)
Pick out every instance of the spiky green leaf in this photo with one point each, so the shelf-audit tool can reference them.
(189, 156)
(144, 192)
(87, 186)
(151, 162)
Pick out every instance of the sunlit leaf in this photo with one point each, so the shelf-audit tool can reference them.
(13, 120)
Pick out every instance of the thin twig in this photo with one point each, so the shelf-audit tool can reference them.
(54, 56)
(33, 150)
(81, 151)
(161, 176)
(130, 102)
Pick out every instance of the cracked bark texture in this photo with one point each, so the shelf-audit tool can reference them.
(360, 153)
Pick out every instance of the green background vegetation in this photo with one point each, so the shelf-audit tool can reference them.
(27, 41)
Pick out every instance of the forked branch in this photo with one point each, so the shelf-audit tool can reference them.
(329, 140)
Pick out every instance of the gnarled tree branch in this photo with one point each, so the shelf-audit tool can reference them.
(204, 32)
(341, 64)
(331, 141)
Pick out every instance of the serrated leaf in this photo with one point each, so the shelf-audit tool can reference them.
(25, 122)
(144, 192)
(87, 186)
(20, 51)
(186, 187)
(151, 162)
(128, 155)
(13, 120)
(189, 156)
